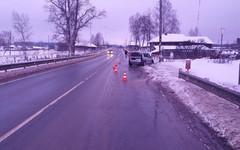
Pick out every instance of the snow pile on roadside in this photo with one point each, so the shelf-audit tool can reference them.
(218, 113)
(20, 72)
(226, 74)
(9, 57)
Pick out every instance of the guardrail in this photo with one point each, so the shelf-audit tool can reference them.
(32, 63)
(225, 93)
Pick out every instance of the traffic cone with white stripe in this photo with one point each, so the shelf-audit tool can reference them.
(124, 76)
(116, 71)
(114, 66)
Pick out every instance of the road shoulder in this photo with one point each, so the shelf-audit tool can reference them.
(218, 114)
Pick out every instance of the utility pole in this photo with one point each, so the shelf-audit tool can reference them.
(90, 30)
(48, 42)
(10, 42)
(222, 32)
(160, 31)
(70, 35)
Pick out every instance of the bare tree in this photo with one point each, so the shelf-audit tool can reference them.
(98, 40)
(150, 26)
(141, 28)
(92, 39)
(170, 22)
(21, 25)
(147, 28)
(6, 38)
(69, 17)
(194, 32)
(135, 27)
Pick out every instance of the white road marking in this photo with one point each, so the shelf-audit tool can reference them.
(9, 133)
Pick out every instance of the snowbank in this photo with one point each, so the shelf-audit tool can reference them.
(9, 57)
(223, 74)
(20, 72)
(216, 112)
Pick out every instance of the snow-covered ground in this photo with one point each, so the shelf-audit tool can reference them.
(225, 74)
(221, 115)
(20, 72)
(9, 57)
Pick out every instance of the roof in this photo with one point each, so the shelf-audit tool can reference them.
(176, 38)
(170, 38)
(85, 45)
(199, 39)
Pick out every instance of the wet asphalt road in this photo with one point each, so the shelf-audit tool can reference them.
(90, 108)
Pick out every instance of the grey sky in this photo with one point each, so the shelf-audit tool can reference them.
(214, 14)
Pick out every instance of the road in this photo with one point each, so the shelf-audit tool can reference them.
(86, 106)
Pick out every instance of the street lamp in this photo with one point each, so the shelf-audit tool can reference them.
(160, 32)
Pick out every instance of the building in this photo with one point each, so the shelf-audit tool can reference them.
(84, 46)
(181, 40)
(182, 46)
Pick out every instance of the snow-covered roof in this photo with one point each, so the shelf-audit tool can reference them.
(37, 47)
(86, 45)
(170, 38)
(200, 39)
(182, 38)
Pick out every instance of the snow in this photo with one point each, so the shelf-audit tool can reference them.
(182, 38)
(20, 72)
(170, 38)
(90, 45)
(224, 74)
(9, 57)
(219, 114)
(199, 39)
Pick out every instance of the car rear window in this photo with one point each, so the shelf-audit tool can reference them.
(135, 54)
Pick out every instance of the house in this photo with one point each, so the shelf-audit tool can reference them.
(181, 40)
(182, 46)
(85, 46)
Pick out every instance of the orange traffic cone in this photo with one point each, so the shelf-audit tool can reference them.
(124, 76)
(119, 62)
(114, 66)
(116, 71)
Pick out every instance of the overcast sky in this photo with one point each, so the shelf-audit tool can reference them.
(214, 14)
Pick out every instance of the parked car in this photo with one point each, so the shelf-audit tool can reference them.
(147, 58)
(135, 58)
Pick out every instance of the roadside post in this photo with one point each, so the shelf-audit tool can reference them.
(188, 65)
(239, 76)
